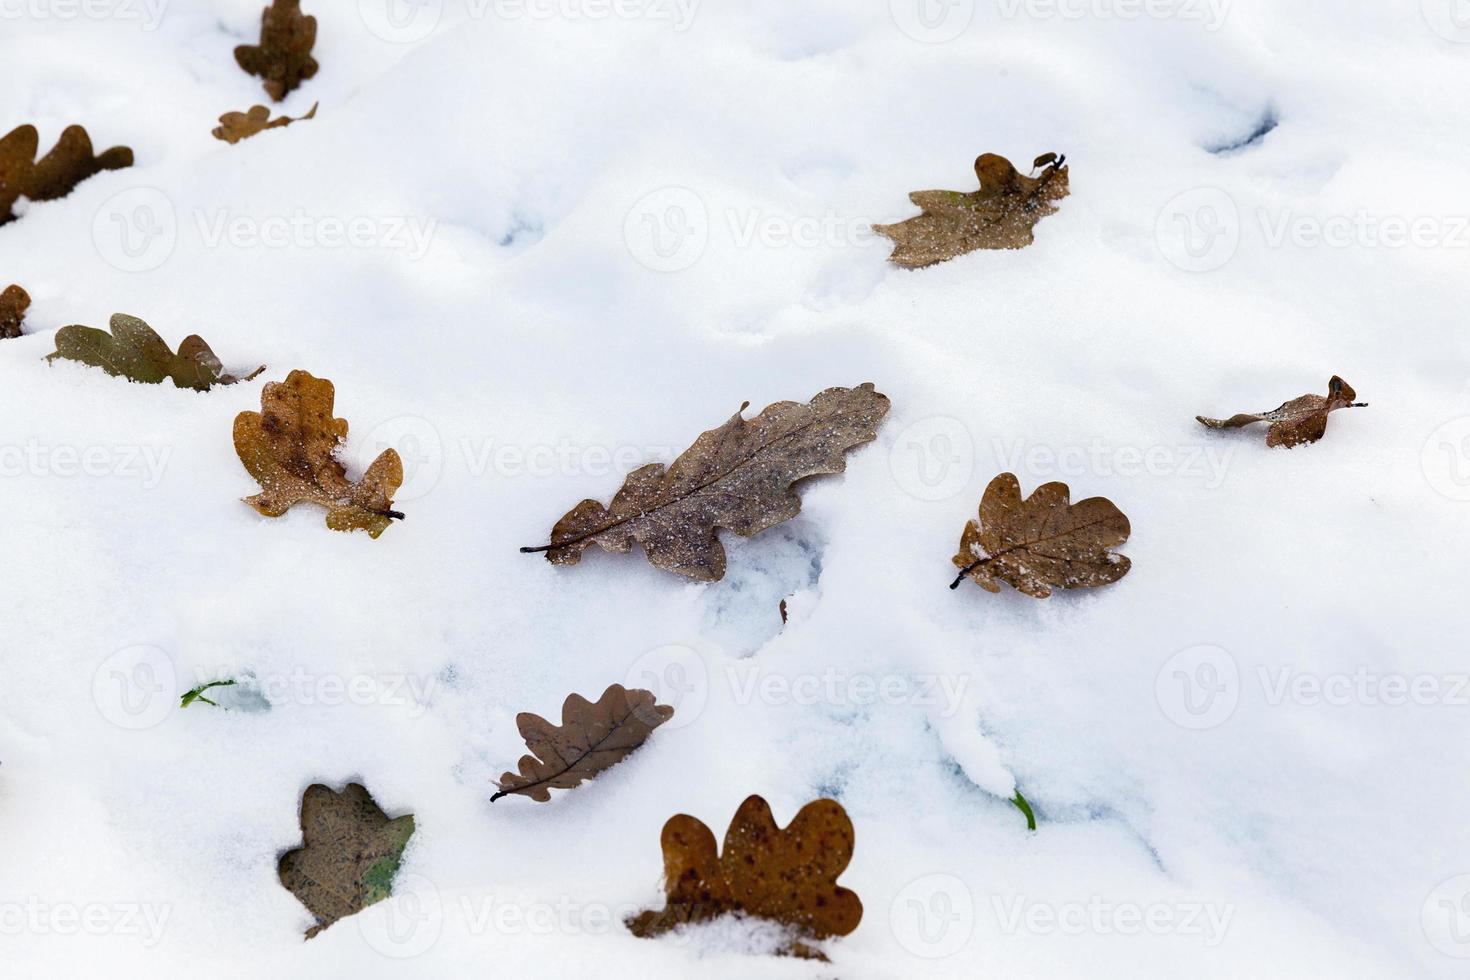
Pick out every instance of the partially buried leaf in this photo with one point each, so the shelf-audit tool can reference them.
(350, 854)
(134, 351)
(590, 739)
(289, 447)
(785, 876)
(1002, 214)
(739, 476)
(13, 305)
(1042, 542)
(236, 126)
(283, 56)
(1298, 421)
(54, 176)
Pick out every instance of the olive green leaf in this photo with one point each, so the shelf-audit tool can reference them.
(290, 447)
(1002, 214)
(349, 856)
(283, 56)
(1299, 421)
(134, 351)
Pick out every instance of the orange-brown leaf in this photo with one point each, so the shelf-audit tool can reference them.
(290, 447)
(236, 126)
(786, 876)
(1042, 542)
(54, 176)
(1301, 420)
(13, 305)
(591, 738)
(283, 56)
(1002, 214)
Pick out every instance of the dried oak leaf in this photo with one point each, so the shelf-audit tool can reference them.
(739, 476)
(1001, 214)
(283, 57)
(55, 175)
(786, 876)
(134, 351)
(591, 738)
(236, 126)
(13, 305)
(1042, 542)
(289, 447)
(1298, 421)
(350, 853)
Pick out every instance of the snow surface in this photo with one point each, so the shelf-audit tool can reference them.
(535, 343)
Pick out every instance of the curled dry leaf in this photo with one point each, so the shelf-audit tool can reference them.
(289, 446)
(134, 351)
(236, 126)
(13, 305)
(349, 856)
(283, 56)
(1002, 214)
(55, 175)
(590, 739)
(786, 876)
(1298, 421)
(739, 476)
(1042, 542)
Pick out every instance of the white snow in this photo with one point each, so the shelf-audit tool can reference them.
(507, 323)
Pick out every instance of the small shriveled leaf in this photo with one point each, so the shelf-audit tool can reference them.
(1301, 420)
(134, 351)
(349, 856)
(283, 56)
(290, 447)
(785, 876)
(1002, 214)
(1042, 542)
(54, 176)
(236, 126)
(197, 694)
(590, 739)
(13, 305)
(740, 476)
